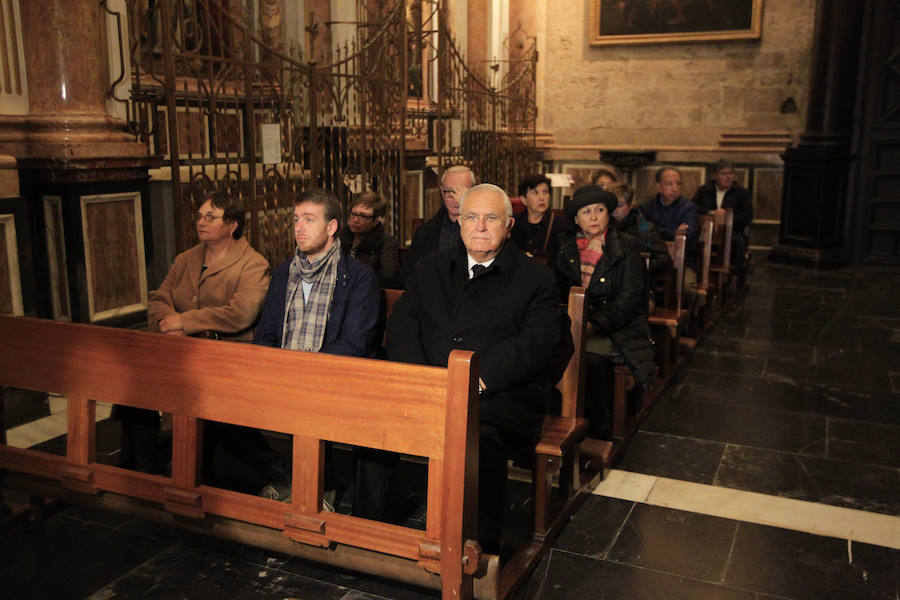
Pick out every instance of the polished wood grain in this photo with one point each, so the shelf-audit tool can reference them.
(410, 409)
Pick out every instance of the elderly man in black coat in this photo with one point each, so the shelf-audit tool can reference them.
(486, 295)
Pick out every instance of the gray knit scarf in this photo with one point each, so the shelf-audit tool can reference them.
(305, 321)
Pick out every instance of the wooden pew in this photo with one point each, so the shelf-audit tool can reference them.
(707, 295)
(666, 321)
(722, 272)
(557, 451)
(422, 411)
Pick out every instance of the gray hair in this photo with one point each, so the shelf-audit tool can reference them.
(489, 187)
(723, 163)
(459, 169)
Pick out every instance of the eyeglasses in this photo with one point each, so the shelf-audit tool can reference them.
(207, 218)
(488, 219)
(361, 217)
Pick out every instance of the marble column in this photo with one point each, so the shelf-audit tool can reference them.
(68, 78)
(814, 195)
(84, 179)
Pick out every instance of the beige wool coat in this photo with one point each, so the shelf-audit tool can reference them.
(226, 299)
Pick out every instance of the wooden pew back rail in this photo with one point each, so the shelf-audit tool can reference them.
(423, 411)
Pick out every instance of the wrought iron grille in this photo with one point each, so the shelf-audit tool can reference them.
(210, 81)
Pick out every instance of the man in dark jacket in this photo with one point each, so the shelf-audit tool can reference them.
(442, 230)
(669, 210)
(485, 295)
(721, 193)
(320, 300)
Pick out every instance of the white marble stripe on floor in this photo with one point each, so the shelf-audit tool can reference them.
(752, 507)
(46, 428)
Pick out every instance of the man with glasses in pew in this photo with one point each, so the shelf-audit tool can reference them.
(319, 301)
(486, 295)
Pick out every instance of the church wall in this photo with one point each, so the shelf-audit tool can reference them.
(683, 94)
(677, 99)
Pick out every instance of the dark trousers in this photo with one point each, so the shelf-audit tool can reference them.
(598, 394)
(374, 469)
(247, 445)
(738, 249)
(140, 435)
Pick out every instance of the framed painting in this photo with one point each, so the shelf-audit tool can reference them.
(668, 21)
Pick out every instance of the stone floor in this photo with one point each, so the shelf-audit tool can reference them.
(769, 469)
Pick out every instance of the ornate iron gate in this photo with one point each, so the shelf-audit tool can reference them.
(212, 92)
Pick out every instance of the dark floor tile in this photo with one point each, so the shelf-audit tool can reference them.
(674, 541)
(97, 516)
(780, 339)
(859, 441)
(776, 430)
(361, 582)
(725, 363)
(60, 559)
(839, 483)
(192, 573)
(860, 375)
(777, 393)
(579, 577)
(23, 406)
(802, 566)
(594, 527)
(686, 459)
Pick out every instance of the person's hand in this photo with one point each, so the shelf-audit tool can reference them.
(684, 226)
(719, 211)
(171, 323)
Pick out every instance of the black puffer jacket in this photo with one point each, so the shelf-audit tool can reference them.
(615, 296)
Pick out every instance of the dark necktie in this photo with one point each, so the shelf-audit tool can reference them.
(477, 269)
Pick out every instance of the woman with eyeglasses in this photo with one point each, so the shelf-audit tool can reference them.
(215, 290)
(367, 241)
(607, 262)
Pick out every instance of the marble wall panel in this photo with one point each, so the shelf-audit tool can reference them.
(581, 174)
(192, 133)
(114, 254)
(10, 280)
(54, 235)
(767, 194)
(645, 182)
(13, 86)
(229, 134)
(6, 300)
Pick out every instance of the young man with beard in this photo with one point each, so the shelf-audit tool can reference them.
(319, 301)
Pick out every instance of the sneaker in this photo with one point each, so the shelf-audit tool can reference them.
(328, 499)
(277, 491)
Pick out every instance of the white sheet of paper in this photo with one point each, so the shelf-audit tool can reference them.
(270, 136)
(560, 179)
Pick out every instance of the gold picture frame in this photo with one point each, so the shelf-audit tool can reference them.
(616, 22)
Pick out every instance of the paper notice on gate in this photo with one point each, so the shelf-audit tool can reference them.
(270, 140)
(560, 179)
